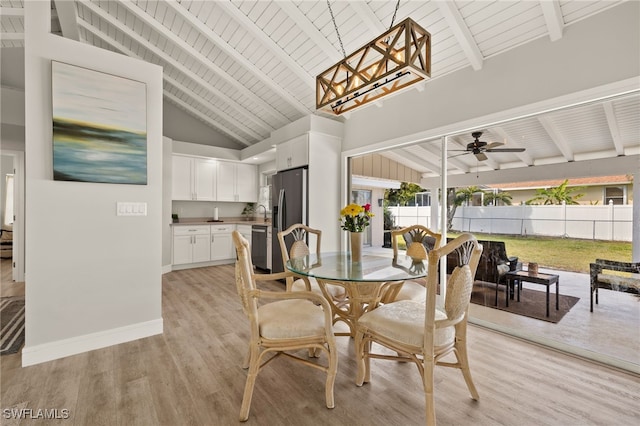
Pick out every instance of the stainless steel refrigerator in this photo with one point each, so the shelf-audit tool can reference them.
(289, 203)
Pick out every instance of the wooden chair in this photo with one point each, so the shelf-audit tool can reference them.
(291, 321)
(422, 333)
(420, 241)
(298, 234)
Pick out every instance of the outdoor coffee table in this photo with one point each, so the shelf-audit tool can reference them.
(517, 277)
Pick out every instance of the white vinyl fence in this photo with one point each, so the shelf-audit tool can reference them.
(610, 222)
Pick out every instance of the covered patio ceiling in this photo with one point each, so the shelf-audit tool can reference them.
(577, 140)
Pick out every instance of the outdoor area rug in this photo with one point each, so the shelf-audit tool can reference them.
(532, 302)
(11, 324)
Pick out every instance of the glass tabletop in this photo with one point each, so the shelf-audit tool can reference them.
(338, 266)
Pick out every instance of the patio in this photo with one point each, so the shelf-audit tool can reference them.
(609, 334)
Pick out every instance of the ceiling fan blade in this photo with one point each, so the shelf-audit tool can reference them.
(458, 155)
(505, 150)
(493, 145)
(481, 157)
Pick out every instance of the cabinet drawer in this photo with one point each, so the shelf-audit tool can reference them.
(191, 230)
(222, 229)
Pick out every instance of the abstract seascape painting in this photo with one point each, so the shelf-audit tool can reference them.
(99, 126)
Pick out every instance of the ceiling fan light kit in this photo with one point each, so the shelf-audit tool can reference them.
(391, 62)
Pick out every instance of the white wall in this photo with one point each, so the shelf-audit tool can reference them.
(594, 52)
(179, 125)
(92, 278)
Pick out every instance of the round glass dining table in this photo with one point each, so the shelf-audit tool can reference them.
(366, 284)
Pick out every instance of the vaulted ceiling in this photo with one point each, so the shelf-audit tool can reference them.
(246, 68)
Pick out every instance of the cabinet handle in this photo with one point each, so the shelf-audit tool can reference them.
(212, 238)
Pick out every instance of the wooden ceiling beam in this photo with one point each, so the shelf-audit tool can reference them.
(187, 49)
(461, 32)
(12, 36)
(556, 137)
(247, 24)
(230, 51)
(553, 18)
(613, 127)
(68, 18)
(369, 18)
(12, 11)
(128, 52)
(310, 30)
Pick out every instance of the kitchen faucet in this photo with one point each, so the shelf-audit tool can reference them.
(265, 211)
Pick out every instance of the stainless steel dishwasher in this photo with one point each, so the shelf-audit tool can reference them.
(260, 246)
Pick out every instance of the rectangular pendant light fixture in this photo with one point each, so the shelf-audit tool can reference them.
(393, 61)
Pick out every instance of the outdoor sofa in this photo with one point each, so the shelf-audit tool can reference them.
(614, 281)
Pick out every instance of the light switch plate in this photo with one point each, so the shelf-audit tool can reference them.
(131, 209)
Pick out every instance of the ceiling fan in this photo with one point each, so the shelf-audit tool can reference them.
(478, 147)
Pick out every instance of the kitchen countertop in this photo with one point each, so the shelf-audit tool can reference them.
(191, 221)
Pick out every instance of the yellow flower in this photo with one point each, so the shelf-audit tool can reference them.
(351, 210)
(355, 217)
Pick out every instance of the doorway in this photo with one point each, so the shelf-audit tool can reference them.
(12, 214)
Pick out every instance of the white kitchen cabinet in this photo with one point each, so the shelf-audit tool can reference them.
(193, 178)
(222, 242)
(293, 153)
(191, 244)
(237, 182)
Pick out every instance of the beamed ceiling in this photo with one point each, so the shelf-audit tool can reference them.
(246, 68)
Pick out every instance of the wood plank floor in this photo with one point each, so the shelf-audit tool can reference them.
(8, 287)
(192, 375)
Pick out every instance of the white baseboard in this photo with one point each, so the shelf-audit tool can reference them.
(202, 264)
(166, 269)
(37, 354)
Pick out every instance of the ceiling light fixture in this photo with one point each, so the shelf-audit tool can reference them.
(391, 62)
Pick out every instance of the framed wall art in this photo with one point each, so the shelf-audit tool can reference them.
(99, 126)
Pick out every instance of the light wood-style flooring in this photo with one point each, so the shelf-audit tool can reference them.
(8, 287)
(192, 375)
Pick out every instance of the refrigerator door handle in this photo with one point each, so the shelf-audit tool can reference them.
(281, 209)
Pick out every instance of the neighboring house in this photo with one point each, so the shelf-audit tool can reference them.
(597, 190)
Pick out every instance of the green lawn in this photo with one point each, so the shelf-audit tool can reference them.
(560, 253)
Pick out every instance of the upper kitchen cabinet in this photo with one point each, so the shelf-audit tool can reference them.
(193, 178)
(293, 153)
(237, 182)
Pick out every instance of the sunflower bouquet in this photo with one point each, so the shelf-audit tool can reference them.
(354, 217)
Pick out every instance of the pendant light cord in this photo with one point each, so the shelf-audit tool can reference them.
(336, 27)
(394, 14)
(338, 32)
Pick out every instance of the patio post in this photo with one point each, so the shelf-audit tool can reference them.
(635, 232)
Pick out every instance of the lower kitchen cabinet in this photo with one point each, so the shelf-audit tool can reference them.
(191, 244)
(222, 242)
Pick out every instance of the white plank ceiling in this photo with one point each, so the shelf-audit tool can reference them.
(246, 68)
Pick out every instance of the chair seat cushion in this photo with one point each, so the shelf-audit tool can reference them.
(403, 322)
(290, 319)
(334, 290)
(616, 281)
(412, 290)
